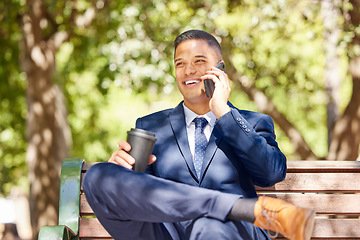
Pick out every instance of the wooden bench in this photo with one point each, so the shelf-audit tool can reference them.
(330, 187)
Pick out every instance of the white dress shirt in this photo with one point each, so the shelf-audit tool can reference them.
(190, 126)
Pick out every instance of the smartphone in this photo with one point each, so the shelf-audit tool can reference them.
(209, 84)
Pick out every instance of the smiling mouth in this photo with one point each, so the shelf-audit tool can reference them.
(190, 82)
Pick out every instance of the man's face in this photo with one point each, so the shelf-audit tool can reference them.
(192, 59)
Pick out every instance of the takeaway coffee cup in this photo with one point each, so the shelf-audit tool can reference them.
(142, 143)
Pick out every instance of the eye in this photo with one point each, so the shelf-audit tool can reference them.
(179, 64)
(199, 61)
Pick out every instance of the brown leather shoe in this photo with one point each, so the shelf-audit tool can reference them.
(276, 215)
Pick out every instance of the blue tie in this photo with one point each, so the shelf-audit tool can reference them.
(200, 144)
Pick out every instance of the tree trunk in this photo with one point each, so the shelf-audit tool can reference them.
(47, 127)
(346, 133)
(48, 131)
(330, 15)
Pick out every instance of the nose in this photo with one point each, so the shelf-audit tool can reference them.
(189, 69)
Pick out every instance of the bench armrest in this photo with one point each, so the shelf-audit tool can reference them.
(69, 203)
(59, 232)
(70, 184)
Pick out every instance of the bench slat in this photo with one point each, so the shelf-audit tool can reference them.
(336, 228)
(92, 229)
(341, 204)
(323, 228)
(323, 166)
(85, 209)
(319, 182)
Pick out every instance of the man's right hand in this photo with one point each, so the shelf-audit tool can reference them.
(123, 158)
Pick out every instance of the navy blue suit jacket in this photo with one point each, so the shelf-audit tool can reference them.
(242, 151)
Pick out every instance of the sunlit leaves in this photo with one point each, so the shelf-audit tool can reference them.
(280, 45)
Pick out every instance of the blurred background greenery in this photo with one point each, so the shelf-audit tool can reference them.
(113, 62)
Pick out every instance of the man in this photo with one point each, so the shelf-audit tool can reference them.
(190, 192)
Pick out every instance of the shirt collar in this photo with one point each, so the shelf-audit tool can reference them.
(190, 116)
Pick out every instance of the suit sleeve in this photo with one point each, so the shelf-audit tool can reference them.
(255, 146)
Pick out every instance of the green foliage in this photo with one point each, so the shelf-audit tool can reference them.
(12, 101)
(279, 45)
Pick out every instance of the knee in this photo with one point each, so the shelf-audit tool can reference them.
(209, 228)
(99, 178)
(92, 177)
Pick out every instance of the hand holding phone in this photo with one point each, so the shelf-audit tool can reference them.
(209, 84)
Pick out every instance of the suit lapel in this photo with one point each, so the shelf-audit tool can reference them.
(214, 141)
(178, 125)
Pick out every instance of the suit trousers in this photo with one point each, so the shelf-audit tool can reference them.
(132, 205)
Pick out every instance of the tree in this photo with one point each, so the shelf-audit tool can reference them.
(45, 27)
(274, 61)
(332, 78)
(346, 138)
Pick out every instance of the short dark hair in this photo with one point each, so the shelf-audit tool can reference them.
(198, 34)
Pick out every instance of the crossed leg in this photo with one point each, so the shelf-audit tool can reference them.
(132, 205)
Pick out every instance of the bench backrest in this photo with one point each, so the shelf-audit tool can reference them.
(332, 188)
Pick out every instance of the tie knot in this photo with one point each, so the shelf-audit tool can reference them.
(200, 122)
